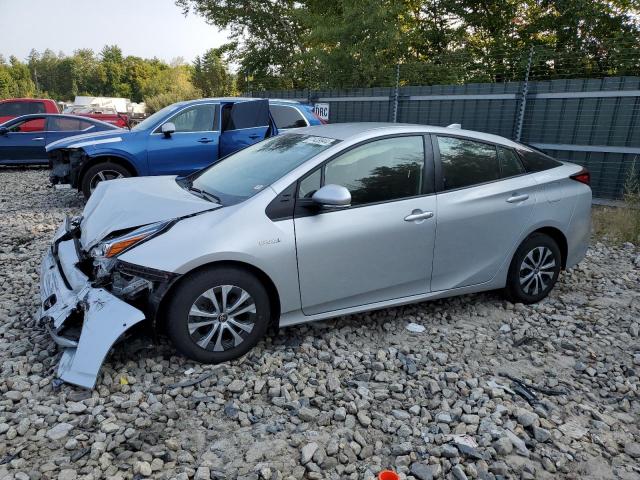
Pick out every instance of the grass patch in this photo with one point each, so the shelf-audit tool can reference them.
(617, 224)
(621, 224)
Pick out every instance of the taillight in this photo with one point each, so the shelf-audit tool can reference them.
(583, 176)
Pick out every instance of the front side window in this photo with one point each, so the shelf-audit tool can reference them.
(380, 171)
(249, 171)
(467, 162)
(287, 117)
(200, 118)
(32, 125)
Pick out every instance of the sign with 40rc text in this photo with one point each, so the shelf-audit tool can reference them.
(322, 111)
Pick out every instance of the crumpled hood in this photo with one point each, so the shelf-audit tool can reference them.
(89, 139)
(134, 202)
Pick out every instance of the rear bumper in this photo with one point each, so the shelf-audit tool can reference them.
(579, 231)
(84, 321)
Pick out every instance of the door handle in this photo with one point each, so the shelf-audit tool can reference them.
(517, 198)
(418, 216)
(205, 140)
(253, 137)
(37, 138)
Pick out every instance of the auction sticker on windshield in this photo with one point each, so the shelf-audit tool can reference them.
(322, 141)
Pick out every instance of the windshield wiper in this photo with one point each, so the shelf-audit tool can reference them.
(204, 194)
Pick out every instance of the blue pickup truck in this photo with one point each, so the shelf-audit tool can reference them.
(177, 140)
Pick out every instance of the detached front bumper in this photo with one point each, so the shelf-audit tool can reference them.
(84, 321)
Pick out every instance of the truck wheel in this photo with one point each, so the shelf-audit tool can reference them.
(217, 314)
(101, 173)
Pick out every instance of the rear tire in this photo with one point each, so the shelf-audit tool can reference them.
(534, 269)
(218, 314)
(101, 172)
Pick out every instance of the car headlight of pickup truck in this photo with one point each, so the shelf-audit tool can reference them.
(115, 246)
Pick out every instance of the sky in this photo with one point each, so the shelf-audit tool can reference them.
(144, 28)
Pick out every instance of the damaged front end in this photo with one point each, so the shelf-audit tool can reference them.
(90, 298)
(66, 164)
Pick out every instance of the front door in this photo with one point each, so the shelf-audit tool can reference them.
(193, 145)
(243, 124)
(484, 206)
(380, 248)
(24, 142)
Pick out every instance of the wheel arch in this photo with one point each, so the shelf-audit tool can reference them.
(118, 160)
(268, 283)
(559, 237)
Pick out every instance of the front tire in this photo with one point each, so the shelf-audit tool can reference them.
(99, 173)
(534, 269)
(218, 314)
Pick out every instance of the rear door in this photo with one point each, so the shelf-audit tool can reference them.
(243, 124)
(24, 142)
(485, 201)
(193, 146)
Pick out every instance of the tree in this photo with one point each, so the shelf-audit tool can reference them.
(211, 74)
(169, 85)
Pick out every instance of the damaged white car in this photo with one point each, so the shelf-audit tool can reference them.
(311, 224)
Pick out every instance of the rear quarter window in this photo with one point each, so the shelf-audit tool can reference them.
(287, 117)
(534, 161)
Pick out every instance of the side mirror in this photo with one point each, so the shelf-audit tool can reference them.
(332, 196)
(4, 130)
(168, 128)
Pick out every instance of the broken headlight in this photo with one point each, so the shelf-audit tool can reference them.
(115, 246)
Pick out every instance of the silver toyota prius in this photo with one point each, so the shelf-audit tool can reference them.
(311, 224)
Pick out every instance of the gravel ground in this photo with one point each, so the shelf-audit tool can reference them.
(337, 399)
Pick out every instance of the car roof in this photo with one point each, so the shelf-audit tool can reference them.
(9, 100)
(236, 99)
(58, 115)
(346, 131)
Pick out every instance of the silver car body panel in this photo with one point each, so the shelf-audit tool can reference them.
(153, 199)
(378, 259)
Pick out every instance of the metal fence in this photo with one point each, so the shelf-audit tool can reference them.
(592, 122)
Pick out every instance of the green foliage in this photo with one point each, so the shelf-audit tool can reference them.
(168, 86)
(110, 73)
(283, 44)
(211, 75)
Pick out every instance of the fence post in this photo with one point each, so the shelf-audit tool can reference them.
(395, 94)
(523, 102)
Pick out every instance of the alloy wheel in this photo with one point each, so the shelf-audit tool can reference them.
(103, 176)
(537, 270)
(221, 318)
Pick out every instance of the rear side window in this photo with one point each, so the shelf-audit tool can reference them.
(63, 124)
(510, 164)
(534, 161)
(466, 162)
(287, 117)
(20, 108)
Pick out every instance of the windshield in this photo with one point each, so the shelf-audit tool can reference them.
(247, 172)
(151, 121)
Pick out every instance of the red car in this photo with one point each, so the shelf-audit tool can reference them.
(16, 107)
(105, 114)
